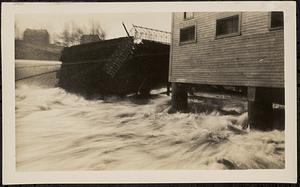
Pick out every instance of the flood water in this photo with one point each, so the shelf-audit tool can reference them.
(59, 131)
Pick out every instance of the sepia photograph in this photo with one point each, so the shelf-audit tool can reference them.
(160, 91)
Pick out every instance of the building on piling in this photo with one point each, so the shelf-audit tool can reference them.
(240, 49)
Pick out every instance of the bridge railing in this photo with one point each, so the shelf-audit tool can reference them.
(145, 33)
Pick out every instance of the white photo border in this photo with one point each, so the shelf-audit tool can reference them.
(11, 176)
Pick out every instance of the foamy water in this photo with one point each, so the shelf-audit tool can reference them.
(56, 130)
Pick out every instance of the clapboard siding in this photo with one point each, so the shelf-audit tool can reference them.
(253, 58)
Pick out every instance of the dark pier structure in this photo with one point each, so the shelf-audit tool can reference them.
(118, 66)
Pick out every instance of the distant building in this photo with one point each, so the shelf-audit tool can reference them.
(89, 38)
(36, 46)
(37, 37)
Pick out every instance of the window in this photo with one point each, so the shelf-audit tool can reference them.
(187, 34)
(188, 15)
(228, 26)
(276, 20)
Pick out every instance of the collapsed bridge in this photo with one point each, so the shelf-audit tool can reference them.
(117, 66)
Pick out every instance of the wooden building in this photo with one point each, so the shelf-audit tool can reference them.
(242, 49)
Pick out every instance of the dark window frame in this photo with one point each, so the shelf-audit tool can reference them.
(238, 33)
(188, 18)
(188, 41)
(270, 22)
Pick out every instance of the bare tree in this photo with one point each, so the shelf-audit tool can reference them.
(96, 29)
(69, 36)
(72, 33)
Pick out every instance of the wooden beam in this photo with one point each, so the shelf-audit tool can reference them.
(126, 29)
(179, 98)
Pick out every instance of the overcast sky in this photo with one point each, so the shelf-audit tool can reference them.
(111, 23)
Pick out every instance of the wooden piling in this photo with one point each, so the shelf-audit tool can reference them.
(260, 109)
(168, 89)
(179, 97)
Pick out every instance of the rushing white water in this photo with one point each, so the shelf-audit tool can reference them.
(56, 131)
